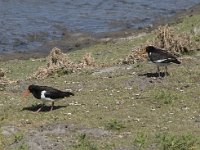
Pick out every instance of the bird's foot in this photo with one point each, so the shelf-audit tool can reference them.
(51, 109)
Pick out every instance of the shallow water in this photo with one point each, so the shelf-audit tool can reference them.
(27, 24)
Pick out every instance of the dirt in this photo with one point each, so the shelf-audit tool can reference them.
(95, 132)
(108, 70)
(53, 136)
(9, 130)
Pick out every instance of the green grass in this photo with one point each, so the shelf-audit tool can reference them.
(133, 110)
(84, 143)
(18, 137)
(165, 96)
(114, 125)
(22, 147)
(180, 142)
(109, 53)
(188, 23)
(140, 140)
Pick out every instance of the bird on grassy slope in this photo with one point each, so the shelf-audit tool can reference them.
(46, 94)
(161, 58)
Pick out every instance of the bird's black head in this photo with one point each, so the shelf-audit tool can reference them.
(150, 49)
(33, 87)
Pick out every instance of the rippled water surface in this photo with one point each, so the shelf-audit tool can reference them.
(26, 24)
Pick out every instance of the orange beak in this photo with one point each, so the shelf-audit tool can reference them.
(26, 93)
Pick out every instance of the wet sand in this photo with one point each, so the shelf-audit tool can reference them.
(76, 41)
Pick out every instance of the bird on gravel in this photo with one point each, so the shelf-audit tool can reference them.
(46, 94)
(161, 58)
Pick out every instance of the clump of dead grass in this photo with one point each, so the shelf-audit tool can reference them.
(138, 54)
(87, 61)
(176, 43)
(57, 61)
(3, 79)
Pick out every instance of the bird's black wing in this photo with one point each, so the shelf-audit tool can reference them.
(162, 56)
(54, 93)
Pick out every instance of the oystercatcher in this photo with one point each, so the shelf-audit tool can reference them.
(161, 58)
(46, 94)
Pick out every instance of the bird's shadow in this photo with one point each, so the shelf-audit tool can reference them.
(155, 74)
(45, 108)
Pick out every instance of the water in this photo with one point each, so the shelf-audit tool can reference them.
(27, 24)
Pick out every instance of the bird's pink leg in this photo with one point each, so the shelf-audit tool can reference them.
(52, 106)
(166, 72)
(40, 108)
(158, 71)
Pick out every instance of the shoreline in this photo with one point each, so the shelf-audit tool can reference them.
(72, 41)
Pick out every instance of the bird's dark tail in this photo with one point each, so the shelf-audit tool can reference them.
(67, 94)
(176, 61)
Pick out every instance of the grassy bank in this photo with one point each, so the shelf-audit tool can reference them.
(114, 107)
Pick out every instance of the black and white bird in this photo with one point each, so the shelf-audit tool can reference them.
(161, 58)
(46, 94)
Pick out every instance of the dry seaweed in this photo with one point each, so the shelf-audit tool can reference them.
(55, 61)
(4, 80)
(177, 43)
(58, 62)
(138, 54)
(87, 61)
